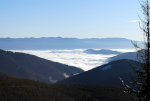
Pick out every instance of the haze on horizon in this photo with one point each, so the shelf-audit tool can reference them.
(70, 18)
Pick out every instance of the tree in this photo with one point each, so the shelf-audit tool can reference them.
(141, 74)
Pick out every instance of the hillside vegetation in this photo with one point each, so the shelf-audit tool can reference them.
(34, 68)
(107, 74)
(12, 89)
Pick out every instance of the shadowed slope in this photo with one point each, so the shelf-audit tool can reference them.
(107, 74)
(34, 68)
(12, 89)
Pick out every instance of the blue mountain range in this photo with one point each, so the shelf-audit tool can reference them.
(64, 43)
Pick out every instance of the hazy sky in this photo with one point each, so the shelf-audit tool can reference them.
(70, 18)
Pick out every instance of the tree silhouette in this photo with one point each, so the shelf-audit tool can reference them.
(141, 74)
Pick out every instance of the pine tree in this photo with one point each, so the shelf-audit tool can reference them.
(141, 74)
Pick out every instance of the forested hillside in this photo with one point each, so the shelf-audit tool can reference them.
(12, 89)
(32, 67)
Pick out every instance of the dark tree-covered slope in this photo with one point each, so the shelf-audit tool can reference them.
(34, 68)
(12, 89)
(107, 74)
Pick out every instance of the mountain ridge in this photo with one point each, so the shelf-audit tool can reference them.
(32, 67)
(63, 43)
(107, 74)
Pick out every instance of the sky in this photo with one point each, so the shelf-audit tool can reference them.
(70, 18)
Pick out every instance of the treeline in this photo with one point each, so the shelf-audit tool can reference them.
(12, 89)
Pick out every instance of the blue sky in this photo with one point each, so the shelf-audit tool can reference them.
(70, 18)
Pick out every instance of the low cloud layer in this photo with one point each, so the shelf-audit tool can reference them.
(74, 57)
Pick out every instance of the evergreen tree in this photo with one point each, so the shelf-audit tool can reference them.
(141, 74)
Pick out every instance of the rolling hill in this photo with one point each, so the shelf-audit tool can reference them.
(22, 65)
(128, 55)
(107, 74)
(102, 51)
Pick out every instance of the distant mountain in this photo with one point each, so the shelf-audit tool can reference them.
(63, 43)
(31, 67)
(107, 74)
(128, 55)
(102, 51)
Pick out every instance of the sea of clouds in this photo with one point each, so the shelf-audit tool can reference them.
(75, 57)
